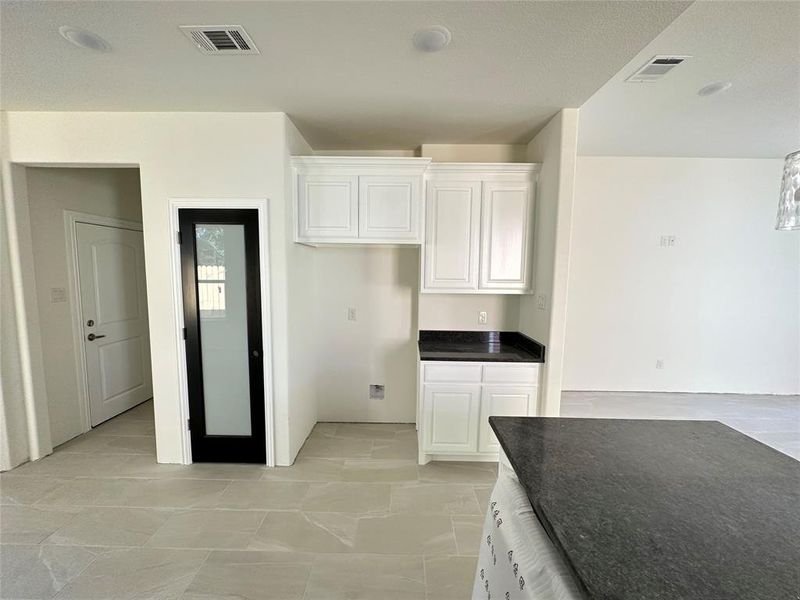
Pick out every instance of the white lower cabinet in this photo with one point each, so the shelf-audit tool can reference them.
(502, 401)
(456, 400)
(451, 417)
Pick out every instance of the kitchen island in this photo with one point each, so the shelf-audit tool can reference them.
(640, 509)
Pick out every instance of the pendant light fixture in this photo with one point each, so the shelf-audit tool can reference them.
(789, 202)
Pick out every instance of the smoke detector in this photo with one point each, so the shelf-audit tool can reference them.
(655, 68)
(220, 39)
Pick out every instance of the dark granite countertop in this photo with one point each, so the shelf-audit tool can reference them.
(662, 509)
(480, 346)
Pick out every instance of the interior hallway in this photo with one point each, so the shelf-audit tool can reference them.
(355, 516)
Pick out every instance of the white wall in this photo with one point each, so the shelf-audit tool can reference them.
(300, 361)
(721, 308)
(555, 147)
(104, 192)
(379, 347)
(180, 155)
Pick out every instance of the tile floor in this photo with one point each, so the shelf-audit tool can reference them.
(354, 517)
(773, 420)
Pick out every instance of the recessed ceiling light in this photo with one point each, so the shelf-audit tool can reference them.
(714, 88)
(84, 39)
(432, 39)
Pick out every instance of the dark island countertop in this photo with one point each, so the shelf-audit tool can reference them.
(662, 509)
(479, 346)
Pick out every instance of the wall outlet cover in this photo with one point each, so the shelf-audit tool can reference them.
(58, 294)
(377, 392)
(482, 317)
(659, 364)
(541, 301)
(351, 314)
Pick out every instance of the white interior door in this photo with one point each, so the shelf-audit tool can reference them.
(114, 310)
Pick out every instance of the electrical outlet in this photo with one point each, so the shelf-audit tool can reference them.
(351, 314)
(377, 392)
(541, 301)
(58, 294)
(659, 364)
(482, 317)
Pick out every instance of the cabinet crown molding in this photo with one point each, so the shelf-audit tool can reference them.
(361, 162)
(484, 167)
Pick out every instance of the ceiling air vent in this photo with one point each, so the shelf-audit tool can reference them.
(220, 39)
(655, 68)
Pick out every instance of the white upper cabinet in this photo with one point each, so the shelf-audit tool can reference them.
(358, 200)
(327, 206)
(479, 228)
(451, 235)
(389, 207)
(505, 235)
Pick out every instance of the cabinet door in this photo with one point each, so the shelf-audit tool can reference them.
(450, 415)
(452, 232)
(327, 206)
(389, 207)
(507, 232)
(502, 401)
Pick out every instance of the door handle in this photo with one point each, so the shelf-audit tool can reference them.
(92, 337)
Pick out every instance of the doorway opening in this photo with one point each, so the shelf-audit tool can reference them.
(88, 255)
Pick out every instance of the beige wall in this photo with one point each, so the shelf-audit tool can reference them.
(474, 152)
(379, 347)
(179, 156)
(24, 420)
(555, 147)
(302, 340)
(13, 425)
(51, 191)
(460, 312)
(720, 308)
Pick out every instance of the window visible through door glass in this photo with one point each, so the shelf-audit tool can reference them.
(222, 299)
(211, 271)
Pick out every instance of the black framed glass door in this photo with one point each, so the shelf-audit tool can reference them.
(224, 349)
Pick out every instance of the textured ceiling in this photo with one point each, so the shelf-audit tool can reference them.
(754, 45)
(345, 72)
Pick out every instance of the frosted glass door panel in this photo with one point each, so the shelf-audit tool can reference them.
(222, 299)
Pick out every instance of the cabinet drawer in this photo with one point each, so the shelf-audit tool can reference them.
(451, 373)
(511, 373)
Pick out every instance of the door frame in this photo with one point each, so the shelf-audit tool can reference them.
(262, 206)
(71, 220)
